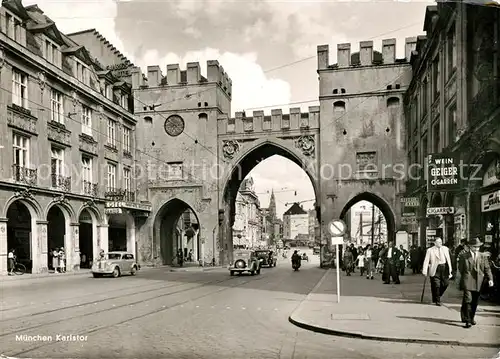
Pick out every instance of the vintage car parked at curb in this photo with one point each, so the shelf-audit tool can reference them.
(115, 264)
(244, 261)
(266, 258)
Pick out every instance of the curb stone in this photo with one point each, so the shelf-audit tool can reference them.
(346, 334)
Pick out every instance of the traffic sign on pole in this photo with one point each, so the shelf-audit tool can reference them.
(337, 229)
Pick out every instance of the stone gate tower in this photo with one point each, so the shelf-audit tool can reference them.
(177, 163)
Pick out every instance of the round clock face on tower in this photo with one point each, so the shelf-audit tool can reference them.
(174, 125)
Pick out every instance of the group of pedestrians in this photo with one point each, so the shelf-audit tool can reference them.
(472, 268)
(58, 260)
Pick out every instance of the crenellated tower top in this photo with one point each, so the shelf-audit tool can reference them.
(366, 55)
(191, 76)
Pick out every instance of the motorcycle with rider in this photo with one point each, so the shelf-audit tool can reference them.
(296, 261)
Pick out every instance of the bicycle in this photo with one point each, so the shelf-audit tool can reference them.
(19, 268)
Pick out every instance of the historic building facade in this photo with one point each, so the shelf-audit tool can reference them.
(247, 228)
(68, 142)
(295, 222)
(453, 110)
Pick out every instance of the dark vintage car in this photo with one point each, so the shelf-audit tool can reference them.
(244, 261)
(266, 258)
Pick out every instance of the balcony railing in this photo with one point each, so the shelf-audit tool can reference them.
(24, 175)
(115, 194)
(62, 183)
(90, 188)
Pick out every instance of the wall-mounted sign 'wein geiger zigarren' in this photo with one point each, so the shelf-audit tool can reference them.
(444, 172)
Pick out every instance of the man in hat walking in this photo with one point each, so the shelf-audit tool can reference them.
(437, 264)
(473, 267)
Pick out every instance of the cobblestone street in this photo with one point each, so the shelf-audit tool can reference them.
(164, 314)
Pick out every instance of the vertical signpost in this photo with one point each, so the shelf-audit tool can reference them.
(337, 229)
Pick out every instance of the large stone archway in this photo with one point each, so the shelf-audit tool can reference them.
(379, 202)
(59, 216)
(169, 235)
(246, 157)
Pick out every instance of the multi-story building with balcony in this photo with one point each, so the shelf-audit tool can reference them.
(247, 228)
(68, 143)
(453, 109)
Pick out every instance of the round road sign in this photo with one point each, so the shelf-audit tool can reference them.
(337, 228)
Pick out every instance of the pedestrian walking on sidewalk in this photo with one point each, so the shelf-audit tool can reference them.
(473, 266)
(391, 266)
(361, 260)
(348, 261)
(369, 262)
(414, 257)
(402, 259)
(437, 264)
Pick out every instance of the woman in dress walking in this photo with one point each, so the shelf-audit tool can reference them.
(369, 262)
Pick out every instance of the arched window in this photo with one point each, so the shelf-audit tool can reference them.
(202, 116)
(148, 119)
(339, 106)
(335, 91)
(392, 102)
(342, 90)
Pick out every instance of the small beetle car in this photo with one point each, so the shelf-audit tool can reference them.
(244, 261)
(115, 264)
(266, 258)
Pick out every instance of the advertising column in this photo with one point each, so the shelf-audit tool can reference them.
(444, 175)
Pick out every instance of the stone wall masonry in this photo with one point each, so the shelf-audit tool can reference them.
(366, 50)
(275, 121)
(193, 76)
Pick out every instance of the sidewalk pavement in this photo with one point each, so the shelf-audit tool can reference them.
(369, 309)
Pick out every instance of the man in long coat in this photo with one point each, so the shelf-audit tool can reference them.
(473, 266)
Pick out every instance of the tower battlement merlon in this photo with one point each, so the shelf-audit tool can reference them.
(367, 54)
(271, 120)
(155, 76)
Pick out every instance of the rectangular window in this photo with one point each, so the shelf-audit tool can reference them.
(19, 88)
(111, 133)
(87, 169)
(436, 138)
(111, 178)
(174, 170)
(452, 124)
(425, 150)
(425, 97)
(21, 150)
(17, 30)
(56, 106)
(126, 179)
(51, 53)
(57, 166)
(126, 139)
(107, 91)
(451, 49)
(436, 78)
(87, 120)
(124, 100)
(9, 28)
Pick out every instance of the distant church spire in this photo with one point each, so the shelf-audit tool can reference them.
(272, 205)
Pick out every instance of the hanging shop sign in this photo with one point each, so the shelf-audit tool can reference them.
(430, 232)
(443, 172)
(408, 220)
(410, 202)
(490, 202)
(436, 211)
(492, 174)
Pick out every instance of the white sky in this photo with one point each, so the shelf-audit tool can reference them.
(268, 48)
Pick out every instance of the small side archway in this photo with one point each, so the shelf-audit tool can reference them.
(89, 240)
(59, 216)
(176, 226)
(380, 203)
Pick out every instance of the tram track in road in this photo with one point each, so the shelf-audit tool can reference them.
(134, 288)
(121, 295)
(140, 316)
(115, 307)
